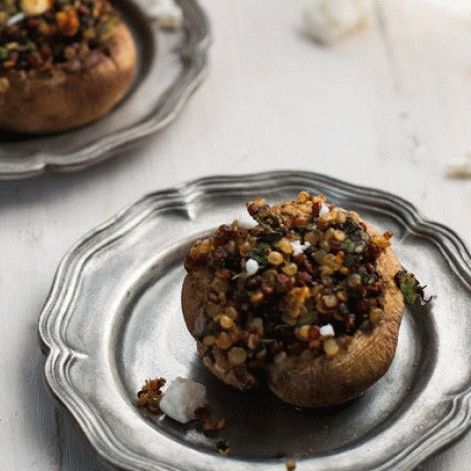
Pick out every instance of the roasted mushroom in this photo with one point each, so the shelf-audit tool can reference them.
(307, 295)
(63, 63)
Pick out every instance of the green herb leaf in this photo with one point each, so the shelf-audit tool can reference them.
(258, 254)
(350, 227)
(268, 220)
(348, 246)
(349, 260)
(410, 288)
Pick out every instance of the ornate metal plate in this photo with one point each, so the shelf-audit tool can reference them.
(113, 319)
(165, 79)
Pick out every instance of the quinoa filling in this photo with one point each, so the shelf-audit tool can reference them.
(301, 282)
(42, 34)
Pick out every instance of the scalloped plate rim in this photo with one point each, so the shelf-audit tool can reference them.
(56, 350)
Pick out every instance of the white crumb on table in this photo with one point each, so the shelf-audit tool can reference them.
(327, 21)
(460, 167)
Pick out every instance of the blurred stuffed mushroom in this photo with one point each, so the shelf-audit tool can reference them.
(63, 63)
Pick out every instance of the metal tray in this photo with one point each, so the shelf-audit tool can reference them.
(113, 319)
(166, 77)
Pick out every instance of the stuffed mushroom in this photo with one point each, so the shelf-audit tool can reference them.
(309, 296)
(63, 63)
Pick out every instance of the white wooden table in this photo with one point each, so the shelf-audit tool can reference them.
(386, 108)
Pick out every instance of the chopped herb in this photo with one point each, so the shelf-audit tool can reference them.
(258, 254)
(349, 246)
(267, 220)
(350, 227)
(349, 260)
(410, 288)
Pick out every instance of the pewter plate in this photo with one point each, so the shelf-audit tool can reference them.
(166, 77)
(113, 319)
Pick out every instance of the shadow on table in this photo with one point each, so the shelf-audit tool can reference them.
(51, 186)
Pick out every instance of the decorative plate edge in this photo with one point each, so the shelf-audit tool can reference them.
(59, 355)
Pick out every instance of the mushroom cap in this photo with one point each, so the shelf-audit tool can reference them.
(327, 381)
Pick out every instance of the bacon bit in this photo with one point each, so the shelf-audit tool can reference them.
(290, 465)
(282, 279)
(150, 395)
(314, 332)
(68, 22)
(372, 252)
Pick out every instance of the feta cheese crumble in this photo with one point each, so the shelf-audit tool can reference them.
(299, 248)
(182, 398)
(327, 330)
(16, 19)
(168, 14)
(251, 266)
(326, 21)
(324, 210)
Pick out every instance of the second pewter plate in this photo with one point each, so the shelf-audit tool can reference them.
(170, 67)
(113, 319)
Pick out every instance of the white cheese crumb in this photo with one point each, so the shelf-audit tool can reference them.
(327, 331)
(324, 209)
(16, 19)
(182, 398)
(251, 266)
(326, 21)
(168, 14)
(460, 167)
(299, 248)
